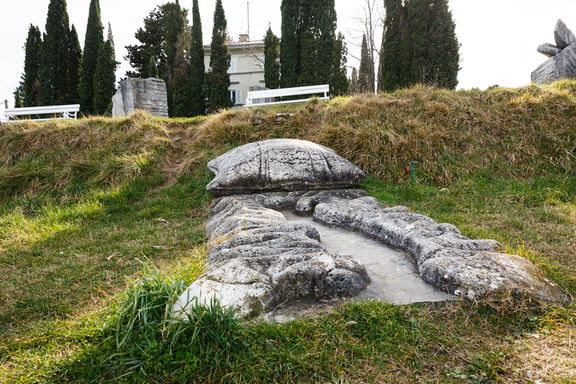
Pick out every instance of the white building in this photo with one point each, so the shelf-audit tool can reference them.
(246, 67)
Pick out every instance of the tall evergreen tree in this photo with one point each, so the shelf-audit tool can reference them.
(18, 102)
(419, 45)
(54, 63)
(366, 73)
(392, 59)
(197, 94)
(339, 84)
(105, 76)
(271, 60)
(152, 68)
(33, 49)
(289, 46)
(174, 23)
(219, 95)
(92, 43)
(354, 83)
(444, 47)
(308, 38)
(181, 91)
(323, 20)
(151, 39)
(309, 60)
(74, 67)
(418, 16)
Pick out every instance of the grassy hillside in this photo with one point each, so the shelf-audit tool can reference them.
(84, 204)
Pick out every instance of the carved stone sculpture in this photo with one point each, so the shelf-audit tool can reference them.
(562, 62)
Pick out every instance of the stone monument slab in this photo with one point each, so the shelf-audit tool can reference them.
(149, 95)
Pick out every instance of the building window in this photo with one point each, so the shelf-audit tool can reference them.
(232, 68)
(236, 96)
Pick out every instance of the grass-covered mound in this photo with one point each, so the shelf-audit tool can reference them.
(83, 204)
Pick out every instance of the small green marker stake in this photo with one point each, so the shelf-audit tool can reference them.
(413, 171)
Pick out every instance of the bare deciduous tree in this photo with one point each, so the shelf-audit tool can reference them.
(370, 23)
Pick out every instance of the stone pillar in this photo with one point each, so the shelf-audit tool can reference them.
(141, 94)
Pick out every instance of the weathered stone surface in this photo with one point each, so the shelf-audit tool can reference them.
(444, 257)
(545, 73)
(281, 165)
(261, 268)
(307, 202)
(264, 261)
(549, 50)
(565, 63)
(140, 94)
(231, 214)
(563, 36)
(562, 65)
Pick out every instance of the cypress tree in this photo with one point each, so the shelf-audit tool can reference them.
(219, 96)
(74, 67)
(181, 91)
(18, 102)
(444, 56)
(271, 60)
(309, 60)
(289, 52)
(324, 19)
(354, 85)
(339, 84)
(308, 38)
(54, 62)
(418, 16)
(419, 45)
(392, 59)
(92, 43)
(105, 77)
(152, 68)
(197, 94)
(33, 49)
(365, 75)
(174, 24)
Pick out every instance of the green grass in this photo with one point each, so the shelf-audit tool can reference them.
(101, 228)
(456, 342)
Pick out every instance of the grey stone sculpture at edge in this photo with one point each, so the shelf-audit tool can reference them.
(258, 260)
(562, 62)
(141, 94)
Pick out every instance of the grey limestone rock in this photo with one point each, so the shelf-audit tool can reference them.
(545, 73)
(562, 64)
(263, 261)
(140, 94)
(565, 63)
(307, 202)
(444, 257)
(563, 36)
(259, 269)
(549, 50)
(281, 165)
(231, 214)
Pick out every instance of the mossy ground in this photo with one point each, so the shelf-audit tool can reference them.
(83, 204)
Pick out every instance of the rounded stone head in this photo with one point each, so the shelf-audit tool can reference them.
(281, 165)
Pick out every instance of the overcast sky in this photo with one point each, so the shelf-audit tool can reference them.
(499, 37)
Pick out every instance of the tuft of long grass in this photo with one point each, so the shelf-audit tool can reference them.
(147, 308)
(150, 336)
